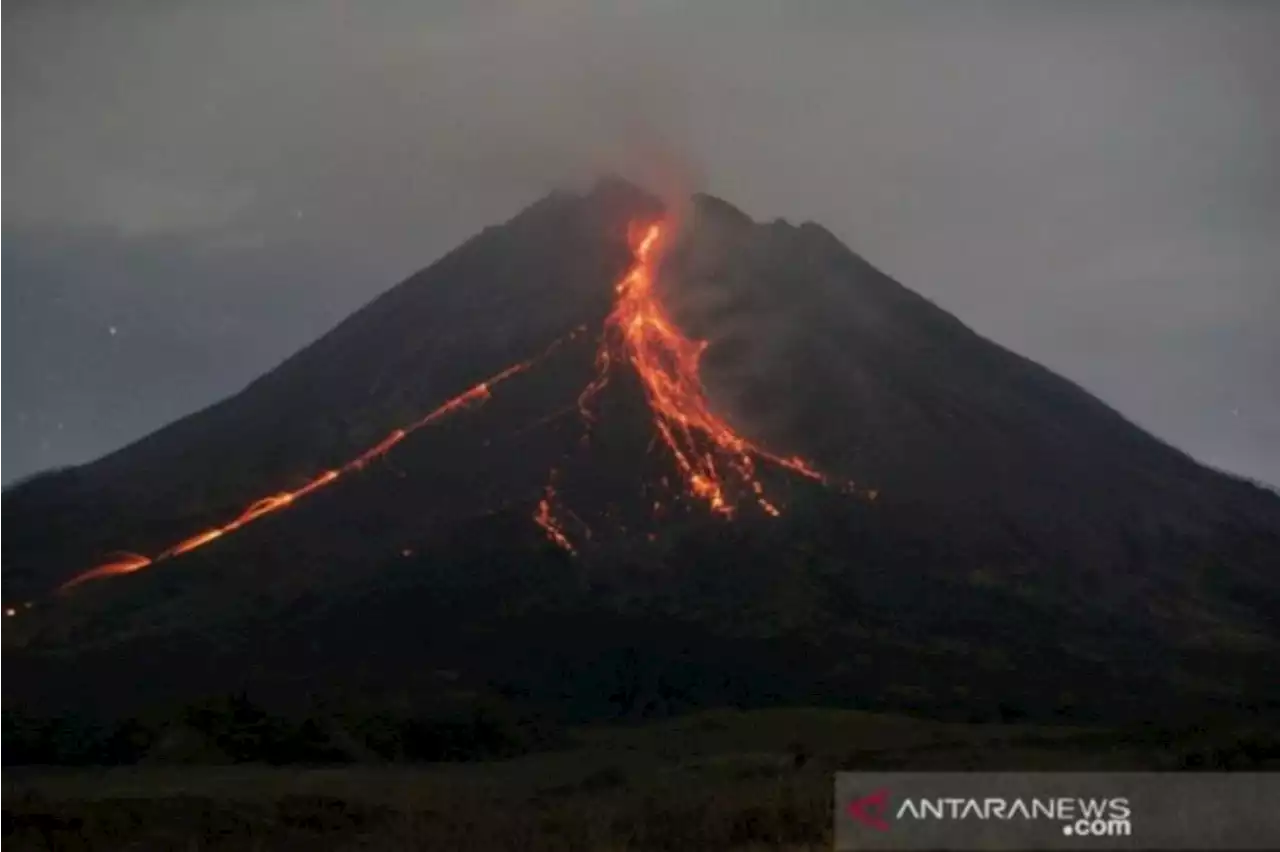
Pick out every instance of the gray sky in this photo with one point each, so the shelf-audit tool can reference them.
(194, 190)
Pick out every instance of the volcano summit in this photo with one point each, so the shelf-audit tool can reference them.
(617, 462)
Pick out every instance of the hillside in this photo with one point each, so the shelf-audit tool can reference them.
(848, 498)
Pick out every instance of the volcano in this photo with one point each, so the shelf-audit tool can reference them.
(617, 460)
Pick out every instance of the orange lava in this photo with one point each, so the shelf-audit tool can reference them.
(122, 563)
(545, 518)
(716, 464)
(708, 452)
(127, 563)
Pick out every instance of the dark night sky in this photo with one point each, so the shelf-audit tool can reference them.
(194, 190)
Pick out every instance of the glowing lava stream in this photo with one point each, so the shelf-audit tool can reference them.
(713, 459)
(545, 518)
(126, 563)
(716, 464)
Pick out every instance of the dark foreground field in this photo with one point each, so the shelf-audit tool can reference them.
(721, 780)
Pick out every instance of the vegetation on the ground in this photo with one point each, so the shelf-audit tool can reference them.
(715, 780)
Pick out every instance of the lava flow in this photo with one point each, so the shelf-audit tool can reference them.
(545, 518)
(714, 461)
(716, 464)
(128, 563)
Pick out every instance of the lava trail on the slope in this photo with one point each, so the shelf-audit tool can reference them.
(716, 464)
(125, 562)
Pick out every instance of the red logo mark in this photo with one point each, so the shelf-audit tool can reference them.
(870, 810)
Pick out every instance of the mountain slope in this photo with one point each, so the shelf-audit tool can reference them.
(966, 529)
(499, 298)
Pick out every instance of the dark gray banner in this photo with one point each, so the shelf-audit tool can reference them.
(1057, 810)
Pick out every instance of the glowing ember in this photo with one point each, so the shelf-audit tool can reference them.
(715, 463)
(122, 563)
(127, 563)
(545, 518)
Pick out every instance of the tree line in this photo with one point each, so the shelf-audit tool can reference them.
(235, 729)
